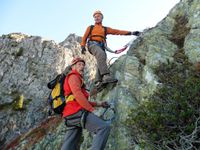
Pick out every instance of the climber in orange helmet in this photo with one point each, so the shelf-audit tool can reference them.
(80, 113)
(95, 38)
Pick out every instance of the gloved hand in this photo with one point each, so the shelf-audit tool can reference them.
(83, 50)
(136, 33)
(105, 105)
(119, 51)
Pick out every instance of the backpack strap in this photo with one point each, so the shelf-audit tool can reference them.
(91, 28)
(105, 32)
(69, 98)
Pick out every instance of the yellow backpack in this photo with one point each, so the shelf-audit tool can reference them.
(57, 99)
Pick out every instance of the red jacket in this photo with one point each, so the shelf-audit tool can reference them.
(73, 85)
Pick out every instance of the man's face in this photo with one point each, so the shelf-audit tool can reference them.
(79, 66)
(98, 18)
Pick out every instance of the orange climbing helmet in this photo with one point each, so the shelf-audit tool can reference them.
(77, 59)
(97, 12)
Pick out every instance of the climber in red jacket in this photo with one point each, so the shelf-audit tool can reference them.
(96, 41)
(79, 113)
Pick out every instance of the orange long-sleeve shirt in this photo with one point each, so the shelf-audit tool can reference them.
(99, 31)
(73, 84)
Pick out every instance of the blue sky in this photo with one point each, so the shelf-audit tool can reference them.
(56, 19)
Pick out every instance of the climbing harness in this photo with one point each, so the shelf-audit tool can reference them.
(76, 120)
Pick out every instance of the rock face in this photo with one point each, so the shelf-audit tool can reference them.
(28, 63)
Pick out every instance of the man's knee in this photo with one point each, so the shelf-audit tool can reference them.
(100, 53)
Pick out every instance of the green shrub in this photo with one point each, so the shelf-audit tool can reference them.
(170, 119)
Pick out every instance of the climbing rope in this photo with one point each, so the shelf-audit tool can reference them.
(109, 61)
(119, 50)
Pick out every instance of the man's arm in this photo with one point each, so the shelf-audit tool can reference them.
(84, 38)
(75, 85)
(117, 32)
(121, 32)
